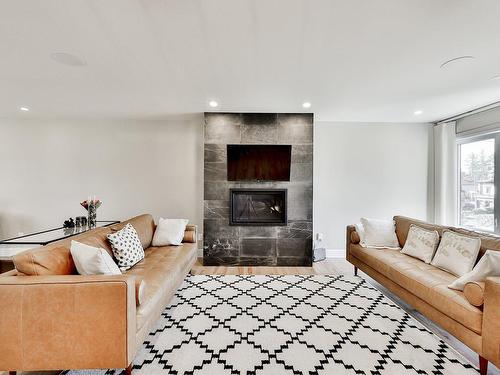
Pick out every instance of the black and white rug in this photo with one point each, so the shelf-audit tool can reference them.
(289, 325)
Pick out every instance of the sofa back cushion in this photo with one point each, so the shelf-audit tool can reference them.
(144, 225)
(46, 260)
(96, 238)
(488, 242)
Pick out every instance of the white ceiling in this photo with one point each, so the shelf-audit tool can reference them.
(355, 60)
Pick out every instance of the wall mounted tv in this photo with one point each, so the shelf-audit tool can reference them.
(258, 162)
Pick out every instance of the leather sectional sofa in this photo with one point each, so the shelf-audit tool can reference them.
(424, 287)
(56, 319)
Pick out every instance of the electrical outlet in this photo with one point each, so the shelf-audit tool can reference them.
(319, 236)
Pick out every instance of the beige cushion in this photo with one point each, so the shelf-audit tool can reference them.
(378, 233)
(169, 232)
(421, 243)
(488, 265)
(456, 253)
(91, 260)
(474, 292)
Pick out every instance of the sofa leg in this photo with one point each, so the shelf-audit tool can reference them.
(355, 271)
(483, 365)
(128, 370)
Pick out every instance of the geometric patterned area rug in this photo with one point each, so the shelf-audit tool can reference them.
(289, 325)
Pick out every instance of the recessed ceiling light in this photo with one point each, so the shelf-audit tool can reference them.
(418, 112)
(24, 109)
(306, 105)
(68, 59)
(213, 103)
(458, 59)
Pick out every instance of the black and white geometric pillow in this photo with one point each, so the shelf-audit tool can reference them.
(126, 247)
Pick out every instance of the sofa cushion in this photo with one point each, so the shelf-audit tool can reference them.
(47, 260)
(421, 243)
(169, 232)
(144, 225)
(457, 253)
(126, 247)
(488, 241)
(474, 292)
(424, 281)
(162, 271)
(90, 260)
(488, 265)
(377, 233)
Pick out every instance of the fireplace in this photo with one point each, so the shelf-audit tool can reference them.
(258, 207)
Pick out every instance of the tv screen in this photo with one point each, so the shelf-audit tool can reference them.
(258, 162)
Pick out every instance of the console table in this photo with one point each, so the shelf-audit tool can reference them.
(12, 246)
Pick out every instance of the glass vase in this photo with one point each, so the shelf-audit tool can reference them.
(92, 213)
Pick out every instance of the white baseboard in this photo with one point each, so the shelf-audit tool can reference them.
(335, 253)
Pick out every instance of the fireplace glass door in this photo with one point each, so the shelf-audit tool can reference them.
(258, 207)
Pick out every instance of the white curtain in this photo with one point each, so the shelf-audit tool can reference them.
(445, 174)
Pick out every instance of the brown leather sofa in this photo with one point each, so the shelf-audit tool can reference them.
(51, 318)
(425, 288)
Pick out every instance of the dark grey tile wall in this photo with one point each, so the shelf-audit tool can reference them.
(289, 245)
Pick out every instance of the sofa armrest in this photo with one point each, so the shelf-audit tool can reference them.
(350, 235)
(491, 320)
(67, 322)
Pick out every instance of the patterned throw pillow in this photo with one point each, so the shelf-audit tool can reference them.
(126, 247)
(421, 243)
(456, 253)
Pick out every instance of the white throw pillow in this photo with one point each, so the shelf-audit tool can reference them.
(169, 232)
(488, 265)
(421, 243)
(126, 247)
(379, 233)
(456, 253)
(91, 260)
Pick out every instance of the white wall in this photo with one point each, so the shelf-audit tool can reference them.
(369, 169)
(48, 167)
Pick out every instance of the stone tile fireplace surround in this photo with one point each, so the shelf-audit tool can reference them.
(283, 243)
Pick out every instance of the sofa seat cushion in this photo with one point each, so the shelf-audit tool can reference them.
(424, 281)
(161, 270)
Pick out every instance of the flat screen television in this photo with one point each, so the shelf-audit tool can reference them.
(258, 162)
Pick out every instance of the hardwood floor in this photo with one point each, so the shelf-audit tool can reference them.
(332, 266)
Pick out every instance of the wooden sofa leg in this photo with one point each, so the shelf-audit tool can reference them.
(128, 370)
(483, 365)
(355, 271)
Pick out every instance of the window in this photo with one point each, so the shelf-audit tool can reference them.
(477, 183)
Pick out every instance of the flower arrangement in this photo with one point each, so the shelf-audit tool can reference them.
(91, 205)
(95, 202)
